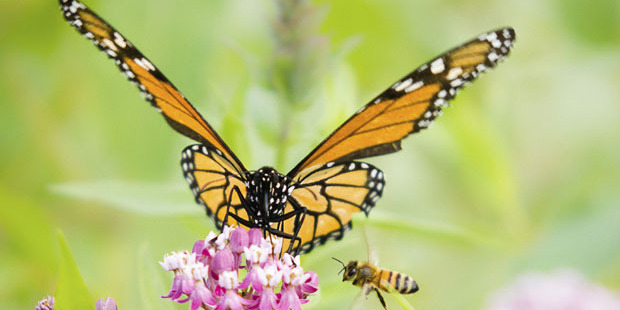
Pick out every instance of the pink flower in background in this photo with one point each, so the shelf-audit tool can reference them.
(237, 270)
(46, 303)
(560, 290)
(101, 304)
(107, 304)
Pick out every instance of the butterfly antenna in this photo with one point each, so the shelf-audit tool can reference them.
(343, 266)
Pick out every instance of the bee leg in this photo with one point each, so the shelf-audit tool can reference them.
(381, 299)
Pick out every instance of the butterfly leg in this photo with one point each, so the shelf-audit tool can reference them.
(234, 190)
(278, 233)
(300, 216)
(298, 224)
(241, 221)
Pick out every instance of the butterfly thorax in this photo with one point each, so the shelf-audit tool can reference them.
(267, 193)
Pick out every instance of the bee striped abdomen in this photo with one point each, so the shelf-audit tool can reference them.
(400, 282)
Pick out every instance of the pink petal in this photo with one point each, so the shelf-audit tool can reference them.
(107, 304)
(239, 239)
(224, 260)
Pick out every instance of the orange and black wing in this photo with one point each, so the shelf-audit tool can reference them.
(330, 194)
(153, 85)
(411, 104)
(214, 184)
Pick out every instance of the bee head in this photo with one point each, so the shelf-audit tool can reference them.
(344, 268)
(350, 271)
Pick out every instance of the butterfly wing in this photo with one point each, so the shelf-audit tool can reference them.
(331, 186)
(331, 194)
(214, 184)
(411, 104)
(153, 85)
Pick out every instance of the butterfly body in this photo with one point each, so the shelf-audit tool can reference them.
(315, 201)
(267, 193)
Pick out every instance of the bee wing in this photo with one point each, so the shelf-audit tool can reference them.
(357, 302)
(372, 254)
(373, 258)
(361, 300)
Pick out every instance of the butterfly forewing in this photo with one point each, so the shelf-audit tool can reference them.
(411, 104)
(331, 194)
(153, 85)
(213, 178)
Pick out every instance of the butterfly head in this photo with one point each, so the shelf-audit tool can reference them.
(267, 193)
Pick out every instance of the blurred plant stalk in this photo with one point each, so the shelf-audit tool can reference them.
(299, 60)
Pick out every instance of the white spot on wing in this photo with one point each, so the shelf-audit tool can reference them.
(491, 36)
(456, 83)
(129, 74)
(506, 33)
(109, 44)
(414, 86)
(119, 40)
(404, 84)
(437, 66)
(148, 64)
(454, 73)
(140, 63)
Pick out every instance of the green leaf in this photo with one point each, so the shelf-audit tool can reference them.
(438, 231)
(152, 283)
(27, 230)
(401, 300)
(71, 292)
(146, 198)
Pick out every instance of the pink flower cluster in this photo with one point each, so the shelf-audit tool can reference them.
(209, 276)
(560, 290)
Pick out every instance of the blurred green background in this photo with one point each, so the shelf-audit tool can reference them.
(521, 174)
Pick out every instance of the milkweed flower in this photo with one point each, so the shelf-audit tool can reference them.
(562, 289)
(46, 303)
(106, 304)
(239, 269)
(101, 304)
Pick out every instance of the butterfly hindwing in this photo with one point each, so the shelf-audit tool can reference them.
(331, 194)
(212, 179)
(153, 85)
(411, 104)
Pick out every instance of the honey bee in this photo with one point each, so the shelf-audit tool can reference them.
(372, 278)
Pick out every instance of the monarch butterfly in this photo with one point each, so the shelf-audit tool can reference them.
(314, 202)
